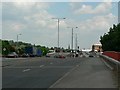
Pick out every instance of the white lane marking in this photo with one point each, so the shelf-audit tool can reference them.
(26, 70)
(65, 75)
(51, 63)
(77, 65)
(42, 66)
(108, 65)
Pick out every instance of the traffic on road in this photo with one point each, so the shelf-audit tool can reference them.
(83, 71)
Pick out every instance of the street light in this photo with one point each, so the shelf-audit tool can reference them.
(72, 36)
(18, 36)
(17, 40)
(58, 20)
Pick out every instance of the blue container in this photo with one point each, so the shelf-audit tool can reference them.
(29, 50)
(39, 52)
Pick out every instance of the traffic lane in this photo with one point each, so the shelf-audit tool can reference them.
(17, 76)
(28, 63)
(17, 61)
(35, 78)
(91, 73)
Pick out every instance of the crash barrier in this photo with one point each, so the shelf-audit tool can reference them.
(112, 54)
(115, 64)
(111, 61)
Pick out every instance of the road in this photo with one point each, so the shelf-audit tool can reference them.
(42, 72)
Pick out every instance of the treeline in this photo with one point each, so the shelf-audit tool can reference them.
(111, 41)
(7, 47)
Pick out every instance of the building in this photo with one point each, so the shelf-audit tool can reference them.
(97, 47)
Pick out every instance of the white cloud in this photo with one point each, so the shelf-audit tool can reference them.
(98, 23)
(85, 9)
(29, 5)
(103, 7)
(37, 25)
(13, 26)
(94, 0)
(0, 20)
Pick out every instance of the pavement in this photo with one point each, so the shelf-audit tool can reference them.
(91, 73)
(42, 72)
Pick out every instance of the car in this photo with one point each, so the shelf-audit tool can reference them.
(91, 55)
(12, 55)
(24, 55)
(47, 55)
(59, 56)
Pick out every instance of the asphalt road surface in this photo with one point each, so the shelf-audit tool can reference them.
(42, 72)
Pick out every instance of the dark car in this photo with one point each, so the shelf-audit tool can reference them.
(24, 55)
(59, 56)
(91, 55)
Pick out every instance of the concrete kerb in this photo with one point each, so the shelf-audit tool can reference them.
(116, 65)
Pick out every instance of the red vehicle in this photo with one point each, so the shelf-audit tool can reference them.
(59, 56)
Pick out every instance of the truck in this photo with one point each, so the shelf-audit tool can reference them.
(33, 51)
(29, 50)
(39, 52)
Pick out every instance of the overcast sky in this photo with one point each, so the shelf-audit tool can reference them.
(34, 21)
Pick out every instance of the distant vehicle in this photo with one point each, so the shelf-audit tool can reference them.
(29, 50)
(91, 55)
(33, 51)
(24, 55)
(12, 55)
(47, 55)
(39, 52)
(59, 56)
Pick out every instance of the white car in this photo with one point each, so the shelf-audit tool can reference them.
(12, 55)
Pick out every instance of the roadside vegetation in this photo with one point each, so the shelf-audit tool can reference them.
(7, 47)
(111, 41)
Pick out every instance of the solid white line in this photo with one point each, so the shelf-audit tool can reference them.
(109, 66)
(52, 86)
(26, 70)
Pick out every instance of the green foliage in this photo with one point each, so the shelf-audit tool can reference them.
(44, 50)
(111, 40)
(7, 48)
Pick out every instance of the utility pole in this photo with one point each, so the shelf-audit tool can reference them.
(76, 43)
(58, 20)
(72, 37)
(17, 38)
(17, 42)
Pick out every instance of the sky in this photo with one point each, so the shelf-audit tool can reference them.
(33, 20)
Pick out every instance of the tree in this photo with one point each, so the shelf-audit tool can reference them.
(111, 40)
(6, 47)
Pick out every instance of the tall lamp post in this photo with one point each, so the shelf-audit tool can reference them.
(58, 20)
(17, 41)
(72, 37)
(18, 36)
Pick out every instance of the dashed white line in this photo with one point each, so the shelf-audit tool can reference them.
(26, 70)
(42, 66)
(51, 63)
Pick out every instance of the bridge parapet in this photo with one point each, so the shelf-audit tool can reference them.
(112, 54)
(114, 63)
